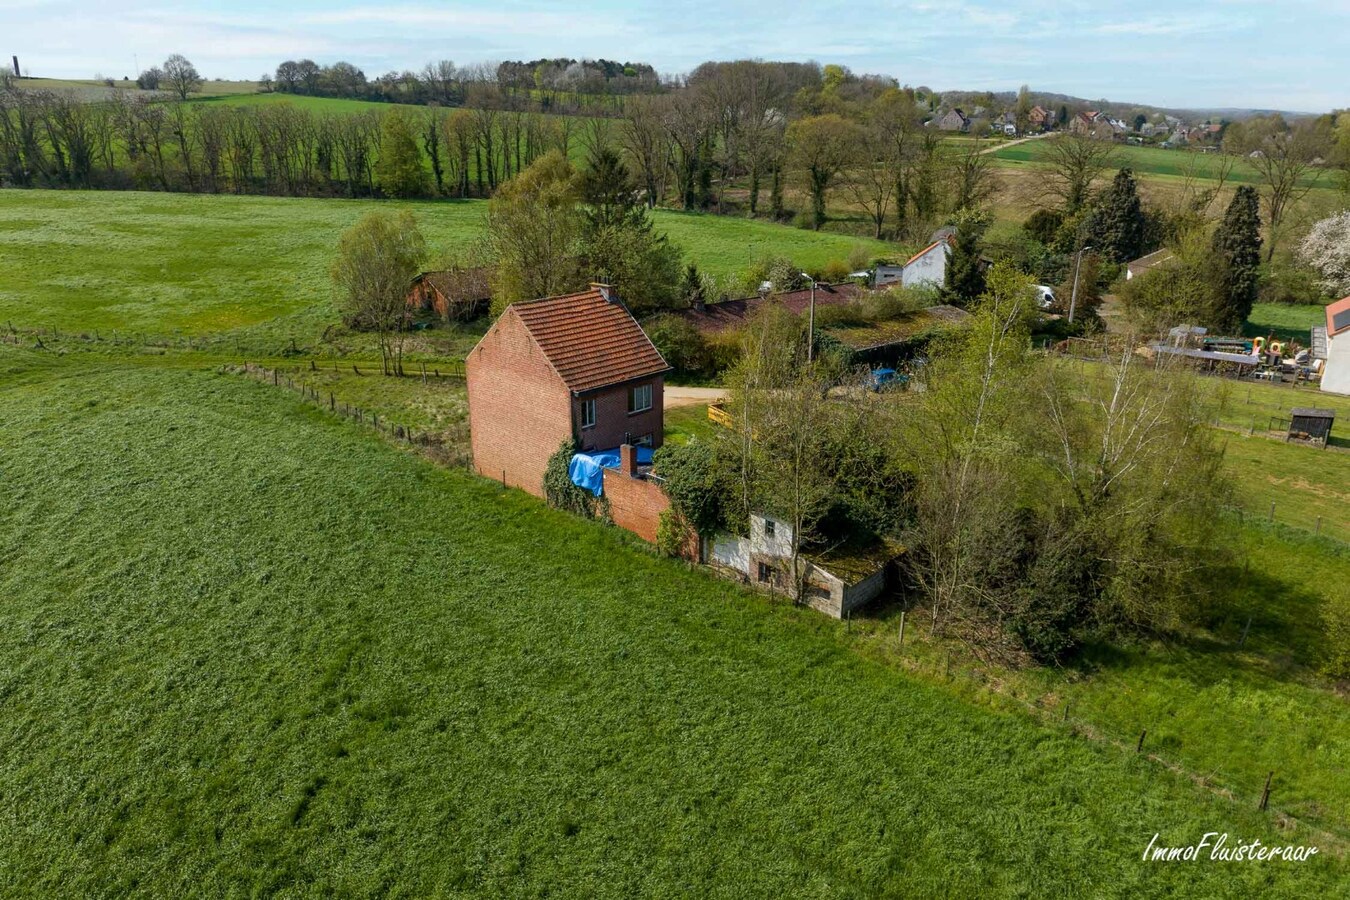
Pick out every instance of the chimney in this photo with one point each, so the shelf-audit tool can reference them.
(606, 291)
(628, 460)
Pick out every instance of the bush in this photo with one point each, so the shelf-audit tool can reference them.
(835, 270)
(681, 344)
(1044, 224)
(1284, 282)
(560, 492)
(693, 483)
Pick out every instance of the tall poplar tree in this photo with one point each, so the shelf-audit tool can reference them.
(1237, 242)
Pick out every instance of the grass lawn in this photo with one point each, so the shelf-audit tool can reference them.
(255, 268)
(1286, 321)
(248, 648)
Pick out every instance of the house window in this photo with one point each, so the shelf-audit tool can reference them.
(644, 441)
(639, 398)
(587, 413)
(765, 573)
(768, 527)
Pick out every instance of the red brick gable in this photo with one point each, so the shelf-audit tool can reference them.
(589, 341)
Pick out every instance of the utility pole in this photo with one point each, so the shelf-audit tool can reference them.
(811, 322)
(1073, 296)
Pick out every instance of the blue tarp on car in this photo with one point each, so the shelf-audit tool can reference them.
(585, 468)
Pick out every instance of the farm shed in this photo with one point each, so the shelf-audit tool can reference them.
(838, 580)
(1310, 424)
(711, 318)
(457, 294)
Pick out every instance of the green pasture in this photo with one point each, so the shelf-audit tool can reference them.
(253, 267)
(249, 648)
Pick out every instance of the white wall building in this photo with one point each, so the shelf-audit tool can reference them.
(1336, 372)
(928, 266)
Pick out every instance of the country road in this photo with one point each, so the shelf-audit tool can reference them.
(1021, 140)
(690, 396)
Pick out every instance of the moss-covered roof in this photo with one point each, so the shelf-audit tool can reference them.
(899, 331)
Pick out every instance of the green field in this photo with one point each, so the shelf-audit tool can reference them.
(192, 264)
(91, 89)
(1147, 161)
(248, 648)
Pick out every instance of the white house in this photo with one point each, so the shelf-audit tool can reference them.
(929, 265)
(1336, 372)
(837, 581)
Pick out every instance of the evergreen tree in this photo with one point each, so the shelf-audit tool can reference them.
(399, 168)
(965, 271)
(619, 242)
(1116, 227)
(1237, 241)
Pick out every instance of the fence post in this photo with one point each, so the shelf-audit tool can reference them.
(1265, 793)
(902, 628)
(1067, 702)
(1272, 511)
(1142, 735)
(1318, 530)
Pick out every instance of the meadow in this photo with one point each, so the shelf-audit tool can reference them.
(254, 270)
(250, 648)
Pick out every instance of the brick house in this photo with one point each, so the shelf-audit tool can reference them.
(575, 366)
(953, 120)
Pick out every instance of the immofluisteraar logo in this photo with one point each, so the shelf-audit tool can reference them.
(1223, 849)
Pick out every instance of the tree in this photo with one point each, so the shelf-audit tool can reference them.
(1115, 227)
(965, 270)
(821, 145)
(534, 232)
(963, 538)
(1076, 161)
(1237, 242)
(1326, 250)
(619, 243)
(1022, 112)
(377, 259)
(1283, 156)
(149, 79)
(181, 75)
(399, 166)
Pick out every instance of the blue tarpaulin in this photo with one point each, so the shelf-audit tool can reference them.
(584, 469)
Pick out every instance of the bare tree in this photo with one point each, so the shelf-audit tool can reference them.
(181, 76)
(1076, 161)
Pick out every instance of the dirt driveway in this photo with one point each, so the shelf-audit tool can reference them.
(690, 396)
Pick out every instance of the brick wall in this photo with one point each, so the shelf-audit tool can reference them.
(635, 504)
(519, 409)
(612, 421)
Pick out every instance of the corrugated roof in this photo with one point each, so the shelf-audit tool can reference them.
(591, 342)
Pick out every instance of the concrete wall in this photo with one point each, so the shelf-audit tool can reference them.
(929, 269)
(1336, 372)
(519, 409)
(731, 551)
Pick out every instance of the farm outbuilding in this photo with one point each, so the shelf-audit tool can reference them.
(1311, 425)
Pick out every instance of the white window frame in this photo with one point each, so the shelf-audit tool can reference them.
(587, 406)
(641, 390)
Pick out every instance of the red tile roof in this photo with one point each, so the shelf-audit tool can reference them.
(733, 313)
(591, 342)
(925, 250)
(1338, 316)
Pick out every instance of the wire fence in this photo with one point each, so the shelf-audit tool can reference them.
(448, 450)
(1056, 709)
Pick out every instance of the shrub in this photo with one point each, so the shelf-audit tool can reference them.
(835, 270)
(693, 483)
(1044, 224)
(681, 344)
(560, 492)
